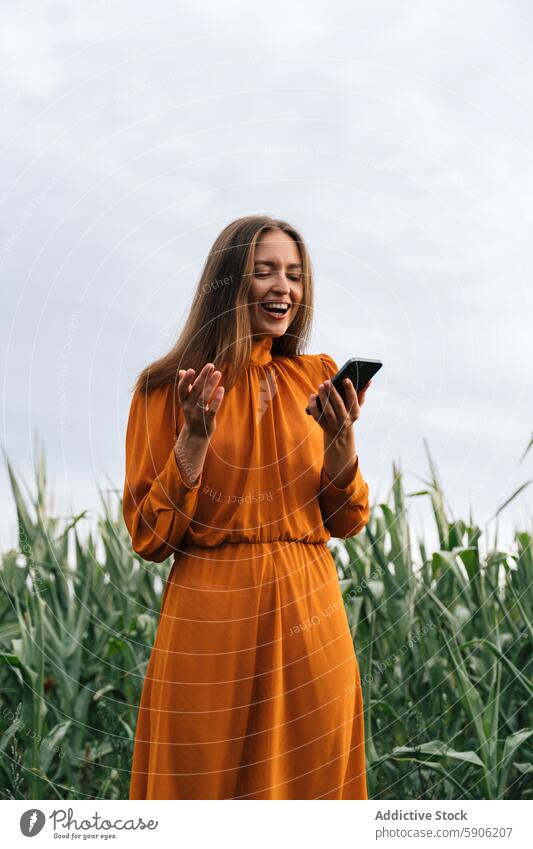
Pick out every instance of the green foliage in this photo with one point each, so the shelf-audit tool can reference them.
(444, 643)
(74, 643)
(445, 651)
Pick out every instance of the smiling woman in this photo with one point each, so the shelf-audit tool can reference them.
(277, 259)
(227, 473)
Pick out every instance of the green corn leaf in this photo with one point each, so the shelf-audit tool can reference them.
(511, 746)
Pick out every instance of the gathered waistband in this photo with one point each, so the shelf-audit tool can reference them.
(281, 542)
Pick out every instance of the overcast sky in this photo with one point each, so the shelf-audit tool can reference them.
(396, 136)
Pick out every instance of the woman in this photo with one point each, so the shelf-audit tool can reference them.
(252, 690)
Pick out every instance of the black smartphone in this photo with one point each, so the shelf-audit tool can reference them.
(359, 371)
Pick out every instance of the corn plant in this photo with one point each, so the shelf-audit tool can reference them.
(445, 649)
(74, 639)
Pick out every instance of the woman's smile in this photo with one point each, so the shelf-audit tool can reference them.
(277, 310)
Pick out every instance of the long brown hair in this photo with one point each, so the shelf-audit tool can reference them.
(218, 328)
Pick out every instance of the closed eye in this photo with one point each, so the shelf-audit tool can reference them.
(263, 274)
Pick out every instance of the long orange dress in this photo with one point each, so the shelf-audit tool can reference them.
(252, 690)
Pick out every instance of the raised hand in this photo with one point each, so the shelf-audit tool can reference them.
(197, 401)
(200, 420)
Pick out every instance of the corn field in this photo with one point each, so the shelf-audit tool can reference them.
(444, 642)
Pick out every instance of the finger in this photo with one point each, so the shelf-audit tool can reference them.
(313, 406)
(351, 398)
(352, 406)
(212, 380)
(361, 395)
(184, 384)
(330, 417)
(342, 416)
(339, 407)
(215, 403)
(211, 385)
(198, 391)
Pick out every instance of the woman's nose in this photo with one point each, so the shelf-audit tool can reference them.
(283, 279)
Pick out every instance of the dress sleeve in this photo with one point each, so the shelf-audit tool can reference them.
(345, 511)
(158, 504)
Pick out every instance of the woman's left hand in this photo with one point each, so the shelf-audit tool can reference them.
(336, 418)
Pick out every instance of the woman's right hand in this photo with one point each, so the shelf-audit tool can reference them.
(200, 423)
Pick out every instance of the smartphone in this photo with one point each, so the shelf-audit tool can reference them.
(358, 370)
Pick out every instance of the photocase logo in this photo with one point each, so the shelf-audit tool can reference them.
(31, 822)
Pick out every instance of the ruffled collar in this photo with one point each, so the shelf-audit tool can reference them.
(261, 351)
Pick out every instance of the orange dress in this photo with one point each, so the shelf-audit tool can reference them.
(252, 690)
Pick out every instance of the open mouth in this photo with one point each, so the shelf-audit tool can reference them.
(276, 309)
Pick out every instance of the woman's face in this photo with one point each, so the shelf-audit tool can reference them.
(276, 278)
